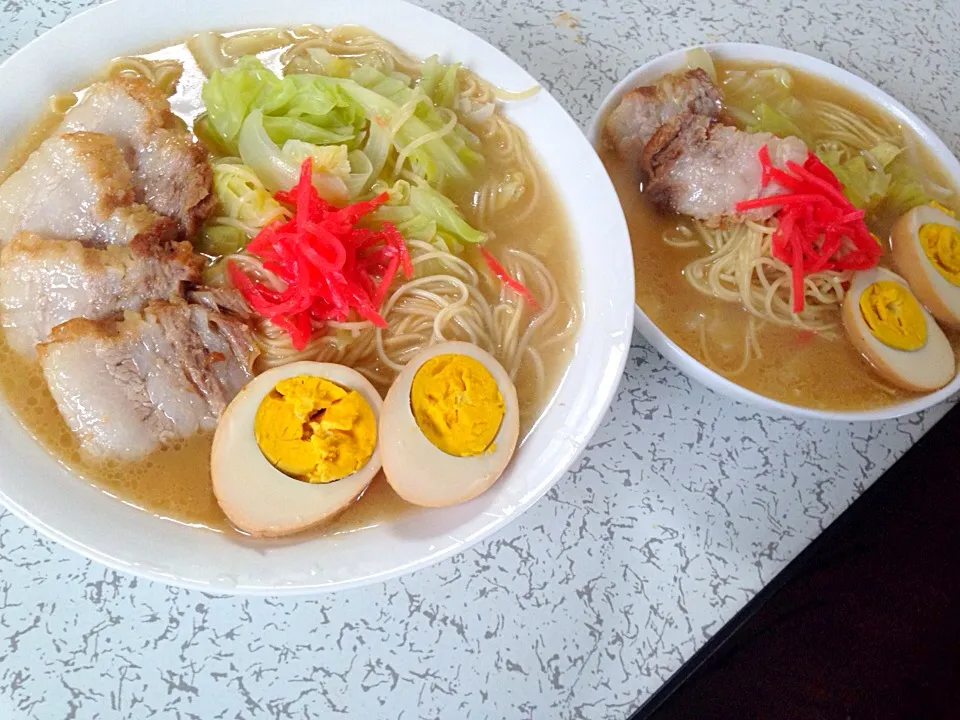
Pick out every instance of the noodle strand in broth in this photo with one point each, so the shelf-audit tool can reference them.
(447, 298)
(451, 295)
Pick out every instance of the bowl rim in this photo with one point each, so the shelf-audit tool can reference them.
(588, 402)
(685, 362)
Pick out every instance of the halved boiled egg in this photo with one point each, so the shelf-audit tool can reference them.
(296, 446)
(449, 425)
(897, 335)
(926, 250)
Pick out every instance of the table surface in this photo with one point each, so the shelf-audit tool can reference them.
(684, 505)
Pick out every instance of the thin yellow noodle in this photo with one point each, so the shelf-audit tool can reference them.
(437, 134)
(59, 104)
(751, 350)
(514, 95)
(165, 74)
(681, 243)
(253, 42)
(740, 268)
(447, 298)
(434, 308)
(838, 123)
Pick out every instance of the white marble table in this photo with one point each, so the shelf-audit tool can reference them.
(682, 508)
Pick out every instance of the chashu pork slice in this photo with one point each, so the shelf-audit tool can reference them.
(171, 171)
(642, 111)
(699, 168)
(78, 187)
(127, 388)
(45, 282)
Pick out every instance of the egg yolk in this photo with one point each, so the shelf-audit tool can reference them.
(893, 315)
(314, 430)
(457, 404)
(941, 245)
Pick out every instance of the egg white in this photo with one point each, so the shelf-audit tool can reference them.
(420, 472)
(254, 495)
(937, 293)
(924, 370)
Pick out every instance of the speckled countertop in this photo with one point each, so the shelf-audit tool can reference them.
(682, 508)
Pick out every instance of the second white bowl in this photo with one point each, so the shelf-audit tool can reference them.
(676, 60)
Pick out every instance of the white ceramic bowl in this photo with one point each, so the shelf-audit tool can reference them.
(676, 60)
(35, 487)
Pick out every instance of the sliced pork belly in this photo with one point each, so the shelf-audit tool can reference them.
(126, 388)
(696, 167)
(221, 299)
(642, 111)
(44, 282)
(78, 187)
(171, 171)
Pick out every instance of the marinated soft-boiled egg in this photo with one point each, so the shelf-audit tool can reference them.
(895, 333)
(296, 446)
(926, 250)
(449, 425)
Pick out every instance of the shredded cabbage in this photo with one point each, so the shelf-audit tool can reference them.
(432, 156)
(421, 213)
(441, 210)
(439, 82)
(430, 100)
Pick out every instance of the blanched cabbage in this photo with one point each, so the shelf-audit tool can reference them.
(864, 185)
(439, 82)
(438, 208)
(217, 240)
(748, 90)
(424, 108)
(371, 111)
(767, 118)
(763, 101)
(243, 207)
(432, 155)
(421, 213)
(279, 171)
(699, 59)
(293, 108)
(332, 159)
(907, 190)
(242, 197)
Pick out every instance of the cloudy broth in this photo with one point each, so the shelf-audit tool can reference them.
(796, 367)
(174, 483)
